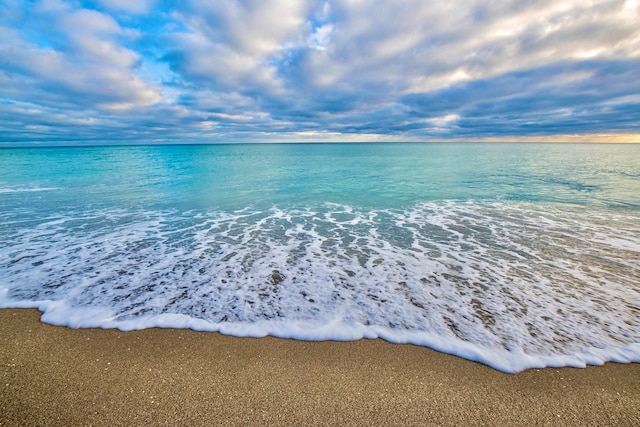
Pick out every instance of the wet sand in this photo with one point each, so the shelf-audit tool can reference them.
(59, 376)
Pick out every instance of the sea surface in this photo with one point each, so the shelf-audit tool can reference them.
(514, 255)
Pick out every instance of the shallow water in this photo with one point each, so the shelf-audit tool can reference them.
(517, 256)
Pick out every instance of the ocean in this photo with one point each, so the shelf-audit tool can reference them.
(514, 255)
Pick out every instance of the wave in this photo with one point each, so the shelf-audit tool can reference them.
(513, 285)
(8, 190)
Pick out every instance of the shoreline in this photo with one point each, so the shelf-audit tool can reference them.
(53, 375)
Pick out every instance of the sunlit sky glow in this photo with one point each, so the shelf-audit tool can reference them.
(203, 71)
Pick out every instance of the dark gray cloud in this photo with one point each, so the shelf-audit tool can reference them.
(201, 71)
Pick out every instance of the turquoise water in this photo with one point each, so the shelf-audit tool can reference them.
(368, 175)
(516, 255)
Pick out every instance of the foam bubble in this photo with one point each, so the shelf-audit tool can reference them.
(512, 285)
(8, 190)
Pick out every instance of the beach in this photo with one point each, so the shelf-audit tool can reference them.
(463, 248)
(60, 376)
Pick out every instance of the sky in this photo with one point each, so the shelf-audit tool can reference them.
(211, 71)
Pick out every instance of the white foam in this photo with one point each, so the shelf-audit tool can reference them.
(514, 286)
(7, 190)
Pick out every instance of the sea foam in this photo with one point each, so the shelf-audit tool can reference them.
(14, 189)
(512, 285)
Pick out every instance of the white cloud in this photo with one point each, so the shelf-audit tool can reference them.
(231, 43)
(85, 22)
(443, 123)
(321, 37)
(420, 48)
(51, 6)
(89, 68)
(322, 68)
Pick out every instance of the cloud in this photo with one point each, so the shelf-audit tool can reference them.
(80, 64)
(543, 100)
(280, 69)
(233, 44)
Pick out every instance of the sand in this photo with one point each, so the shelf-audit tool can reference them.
(59, 376)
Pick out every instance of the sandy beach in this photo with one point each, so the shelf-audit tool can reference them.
(60, 376)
